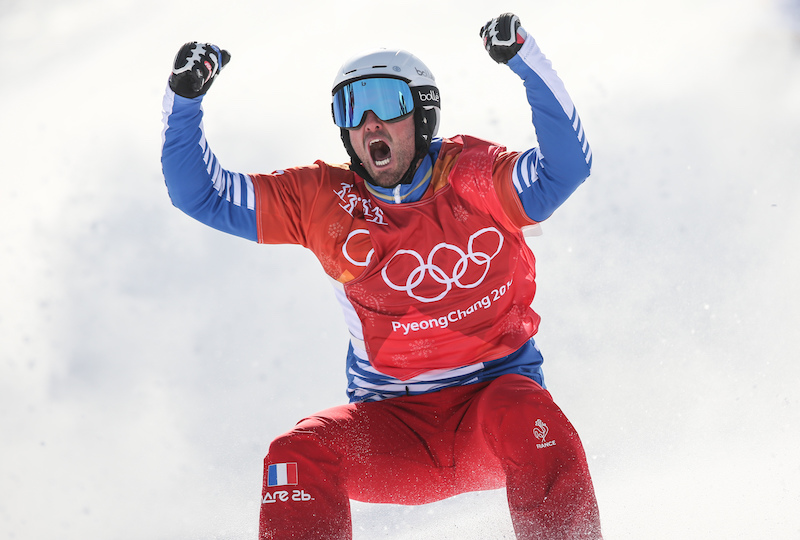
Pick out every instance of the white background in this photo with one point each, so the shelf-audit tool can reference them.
(146, 361)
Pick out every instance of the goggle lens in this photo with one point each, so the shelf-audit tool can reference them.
(390, 99)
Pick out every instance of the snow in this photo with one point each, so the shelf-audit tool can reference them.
(146, 362)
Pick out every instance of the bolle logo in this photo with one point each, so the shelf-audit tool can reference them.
(432, 95)
(453, 257)
(540, 432)
(423, 72)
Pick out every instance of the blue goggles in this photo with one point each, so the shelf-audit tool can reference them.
(390, 99)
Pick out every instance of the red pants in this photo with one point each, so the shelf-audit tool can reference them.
(420, 449)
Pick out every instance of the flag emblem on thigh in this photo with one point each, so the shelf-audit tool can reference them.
(282, 474)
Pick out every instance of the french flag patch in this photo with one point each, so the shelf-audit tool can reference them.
(282, 474)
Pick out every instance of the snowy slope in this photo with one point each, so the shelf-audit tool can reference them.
(140, 386)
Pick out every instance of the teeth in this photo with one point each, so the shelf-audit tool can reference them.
(382, 162)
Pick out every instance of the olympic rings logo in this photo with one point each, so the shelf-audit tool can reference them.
(427, 267)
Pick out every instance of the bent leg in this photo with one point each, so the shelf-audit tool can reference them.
(550, 492)
(302, 494)
(392, 451)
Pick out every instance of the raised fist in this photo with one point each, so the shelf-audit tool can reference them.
(196, 65)
(503, 37)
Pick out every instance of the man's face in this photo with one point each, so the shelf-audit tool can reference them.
(385, 148)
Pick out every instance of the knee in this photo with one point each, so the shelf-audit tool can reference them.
(292, 445)
(315, 436)
(284, 446)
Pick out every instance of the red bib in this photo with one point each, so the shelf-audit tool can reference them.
(449, 281)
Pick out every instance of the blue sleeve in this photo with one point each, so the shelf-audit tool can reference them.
(196, 182)
(546, 176)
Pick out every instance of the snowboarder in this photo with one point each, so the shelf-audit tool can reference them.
(423, 240)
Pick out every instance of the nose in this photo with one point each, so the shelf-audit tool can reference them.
(371, 121)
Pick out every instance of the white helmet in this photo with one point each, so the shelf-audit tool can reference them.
(395, 64)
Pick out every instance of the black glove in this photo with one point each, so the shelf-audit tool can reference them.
(196, 65)
(503, 37)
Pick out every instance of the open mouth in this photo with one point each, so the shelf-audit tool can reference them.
(380, 153)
